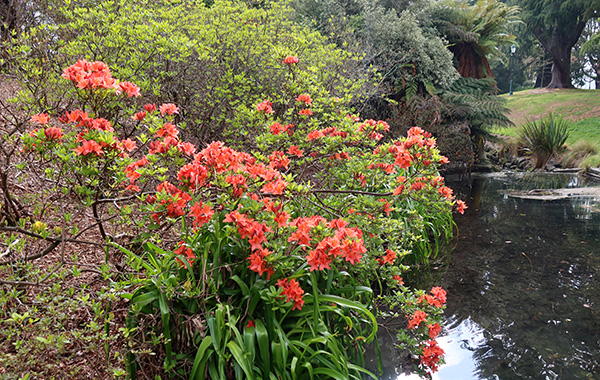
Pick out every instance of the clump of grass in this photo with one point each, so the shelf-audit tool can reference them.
(576, 154)
(592, 161)
(545, 138)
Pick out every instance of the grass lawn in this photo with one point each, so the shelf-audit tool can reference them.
(581, 107)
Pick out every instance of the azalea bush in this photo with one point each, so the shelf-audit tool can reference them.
(241, 264)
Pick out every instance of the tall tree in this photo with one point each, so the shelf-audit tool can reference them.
(475, 32)
(557, 24)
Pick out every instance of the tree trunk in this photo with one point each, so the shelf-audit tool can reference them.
(561, 67)
(560, 46)
(560, 49)
(7, 18)
(471, 64)
(561, 75)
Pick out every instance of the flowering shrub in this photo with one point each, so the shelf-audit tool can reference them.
(273, 252)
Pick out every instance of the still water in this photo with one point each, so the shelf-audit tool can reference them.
(523, 284)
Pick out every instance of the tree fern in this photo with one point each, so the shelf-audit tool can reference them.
(476, 103)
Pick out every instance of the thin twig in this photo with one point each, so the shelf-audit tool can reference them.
(48, 238)
(530, 263)
(352, 192)
(46, 251)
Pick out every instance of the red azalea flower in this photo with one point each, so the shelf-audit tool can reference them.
(129, 88)
(53, 134)
(201, 214)
(434, 330)
(304, 98)
(139, 116)
(168, 108)
(461, 206)
(185, 251)
(292, 291)
(89, 146)
(295, 151)
(290, 60)
(276, 128)
(128, 144)
(418, 317)
(265, 106)
(40, 118)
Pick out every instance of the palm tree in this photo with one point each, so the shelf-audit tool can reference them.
(475, 32)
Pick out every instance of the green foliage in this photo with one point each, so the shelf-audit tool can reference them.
(558, 25)
(545, 138)
(592, 161)
(391, 36)
(405, 53)
(590, 50)
(55, 329)
(214, 62)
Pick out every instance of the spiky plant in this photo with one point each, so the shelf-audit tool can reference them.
(545, 138)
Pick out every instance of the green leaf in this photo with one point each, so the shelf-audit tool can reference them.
(202, 356)
(241, 359)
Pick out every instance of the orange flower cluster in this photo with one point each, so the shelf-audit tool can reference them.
(290, 60)
(167, 137)
(265, 106)
(249, 228)
(184, 250)
(94, 75)
(201, 213)
(278, 160)
(434, 330)
(417, 318)
(277, 128)
(292, 291)
(304, 98)
(346, 242)
(431, 355)
(388, 258)
(40, 118)
(173, 199)
(437, 298)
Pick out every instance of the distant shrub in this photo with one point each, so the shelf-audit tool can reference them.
(574, 156)
(545, 138)
(592, 161)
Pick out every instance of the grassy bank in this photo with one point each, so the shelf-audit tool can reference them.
(580, 107)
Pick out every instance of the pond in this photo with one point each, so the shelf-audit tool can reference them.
(523, 284)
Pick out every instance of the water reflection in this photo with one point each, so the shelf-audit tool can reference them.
(523, 292)
(523, 289)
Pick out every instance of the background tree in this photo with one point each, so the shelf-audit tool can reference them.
(586, 53)
(558, 25)
(475, 32)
